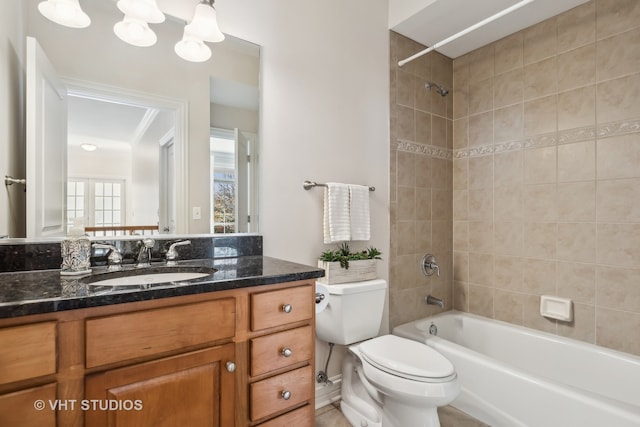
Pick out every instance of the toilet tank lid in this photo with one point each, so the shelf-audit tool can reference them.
(356, 287)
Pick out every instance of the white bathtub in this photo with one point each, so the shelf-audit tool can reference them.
(511, 376)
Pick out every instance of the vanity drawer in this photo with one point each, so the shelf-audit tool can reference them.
(276, 308)
(301, 417)
(132, 335)
(27, 351)
(269, 396)
(280, 350)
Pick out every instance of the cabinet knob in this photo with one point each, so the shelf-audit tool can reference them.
(231, 367)
(286, 352)
(286, 394)
(287, 308)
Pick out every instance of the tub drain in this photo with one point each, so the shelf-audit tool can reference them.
(433, 329)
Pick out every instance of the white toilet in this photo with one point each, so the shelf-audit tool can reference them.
(387, 381)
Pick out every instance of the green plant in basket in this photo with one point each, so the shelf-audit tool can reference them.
(343, 255)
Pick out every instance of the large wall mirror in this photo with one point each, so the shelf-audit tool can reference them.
(154, 140)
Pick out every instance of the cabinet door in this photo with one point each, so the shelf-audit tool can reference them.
(33, 407)
(193, 389)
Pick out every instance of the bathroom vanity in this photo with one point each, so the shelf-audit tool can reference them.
(235, 348)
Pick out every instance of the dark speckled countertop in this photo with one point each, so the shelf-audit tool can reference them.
(44, 291)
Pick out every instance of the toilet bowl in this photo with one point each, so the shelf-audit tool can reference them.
(387, 381)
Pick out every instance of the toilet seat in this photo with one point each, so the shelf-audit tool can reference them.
(407, 359)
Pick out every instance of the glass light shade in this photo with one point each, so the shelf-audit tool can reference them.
(192, 49)
(88, 147)
(204, 24)
(135, 32)
(144, 10)
(65, 12)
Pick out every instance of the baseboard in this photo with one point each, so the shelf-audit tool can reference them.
(328, 393)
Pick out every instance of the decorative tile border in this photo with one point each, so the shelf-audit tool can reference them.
(427, 150)
(554, 138)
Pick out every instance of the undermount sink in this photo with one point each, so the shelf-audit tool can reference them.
(149, 276)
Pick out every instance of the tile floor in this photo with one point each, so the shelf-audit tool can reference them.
(330, 416)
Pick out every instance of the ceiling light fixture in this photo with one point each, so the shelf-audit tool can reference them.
(65, 12)
(88, 147)
(134, 28)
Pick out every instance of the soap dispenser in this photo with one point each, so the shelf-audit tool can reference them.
(76, 251)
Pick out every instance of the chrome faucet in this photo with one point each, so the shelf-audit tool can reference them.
(431, 300)
(114, 259)
(172, 253)
(429, 265)
(144, 256)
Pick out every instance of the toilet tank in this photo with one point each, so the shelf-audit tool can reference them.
(354, 312)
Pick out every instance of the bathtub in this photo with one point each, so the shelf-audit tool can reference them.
(512, 376)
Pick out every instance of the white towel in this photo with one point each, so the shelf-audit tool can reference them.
(359, 212)
(337, 226)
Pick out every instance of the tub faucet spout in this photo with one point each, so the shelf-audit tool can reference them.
(431, 300)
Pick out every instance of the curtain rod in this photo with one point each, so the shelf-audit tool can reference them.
(466, 30)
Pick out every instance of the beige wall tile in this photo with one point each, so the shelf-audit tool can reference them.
(540, 202)
(576, 242)
(481, 172)
(441, 173)
(540, 41)
(508, 53)
(461, 266)
(461, 205)
(540, 78)
(616, 16)
(406, 237)
(540, 116)
(577, 201)
(481, 96)
(460, 174)
(532, 317)
(576, 162)
(406, 122)
(461, 236)
(439, 131)
(406, 203)
(614, 58)
(423, 167)
(619, 245)
(540, 240)
(577, 26)
(508, 306)
(406, 89)
(460, 102)
(540, 165)
(619, 157)
(481, 63)
(481, 236)
(481, 129)
(423, 236)
(461, 296)
(406, 173)
(577, 108)
(508, 169)
(481, 205)
(577, 281)
(508, 123)
(618, 99)
(508, 238)
(461, 133)
(426, 204)
(508, 88)
(423, 128)
(481, 300)
(583, 327)
(612, 329)
(423, 97)
(618, 288)
(577, 67)
(407, 273)
(539, 277)
(508, 271)
(618, 200)
(442, 205)
(508, 203)
(441, 232)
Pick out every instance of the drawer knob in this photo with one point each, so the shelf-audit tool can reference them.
(286, 352)
(287, 308)
(231, 367)
(286, 394)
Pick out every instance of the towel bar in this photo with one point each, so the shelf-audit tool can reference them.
(308, 185)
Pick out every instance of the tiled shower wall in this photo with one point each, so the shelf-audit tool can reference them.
(421, 180)
(546, 176)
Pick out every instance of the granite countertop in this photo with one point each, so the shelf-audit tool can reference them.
(45, 291)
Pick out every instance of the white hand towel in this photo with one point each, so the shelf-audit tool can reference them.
(336, 227)
(359, 212)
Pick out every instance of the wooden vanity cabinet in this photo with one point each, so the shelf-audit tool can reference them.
(222, 358)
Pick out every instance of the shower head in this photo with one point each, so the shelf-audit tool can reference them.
(440, 89)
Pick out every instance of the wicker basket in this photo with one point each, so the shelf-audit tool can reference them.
(358, 271)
